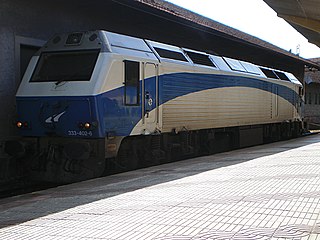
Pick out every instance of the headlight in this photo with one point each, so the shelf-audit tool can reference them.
(19, 124)
(87, 125)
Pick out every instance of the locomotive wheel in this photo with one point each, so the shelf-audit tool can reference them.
(128, 156)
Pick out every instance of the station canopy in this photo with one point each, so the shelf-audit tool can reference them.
(303, 15)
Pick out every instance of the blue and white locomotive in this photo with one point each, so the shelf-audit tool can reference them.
(93, 100)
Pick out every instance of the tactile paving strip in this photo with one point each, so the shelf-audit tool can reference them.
(288, 231)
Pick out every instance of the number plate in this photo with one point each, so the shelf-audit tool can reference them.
(80, 133)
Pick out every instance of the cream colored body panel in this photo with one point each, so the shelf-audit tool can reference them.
(224, 107)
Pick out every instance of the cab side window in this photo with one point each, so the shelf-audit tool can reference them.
(131, 81)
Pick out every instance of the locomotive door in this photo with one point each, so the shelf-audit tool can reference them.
(299, 102)
(150, 96)
(275, 101)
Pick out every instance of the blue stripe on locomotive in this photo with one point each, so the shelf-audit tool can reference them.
(179, 84)
(109, 112)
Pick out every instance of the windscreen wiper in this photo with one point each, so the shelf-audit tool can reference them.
(60, 81)
(67, 79)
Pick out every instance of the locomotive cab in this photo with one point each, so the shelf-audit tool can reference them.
(56, 107)
(76, 91)
(55, 96)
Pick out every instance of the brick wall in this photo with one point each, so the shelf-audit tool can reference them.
(312, 103)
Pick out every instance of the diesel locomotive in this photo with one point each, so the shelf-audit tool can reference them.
(91, 101)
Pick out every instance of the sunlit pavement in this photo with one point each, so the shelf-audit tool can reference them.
(265, 192)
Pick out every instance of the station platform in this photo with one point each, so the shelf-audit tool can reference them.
(264, 192)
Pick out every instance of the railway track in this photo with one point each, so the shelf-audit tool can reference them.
(22, 186)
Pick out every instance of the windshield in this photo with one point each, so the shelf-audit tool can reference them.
(65, 66)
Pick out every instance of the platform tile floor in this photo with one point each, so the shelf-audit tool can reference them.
(264, 192)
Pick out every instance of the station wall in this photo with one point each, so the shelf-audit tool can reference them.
(312, 104)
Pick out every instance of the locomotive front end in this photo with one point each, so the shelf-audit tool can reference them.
(57, 108)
